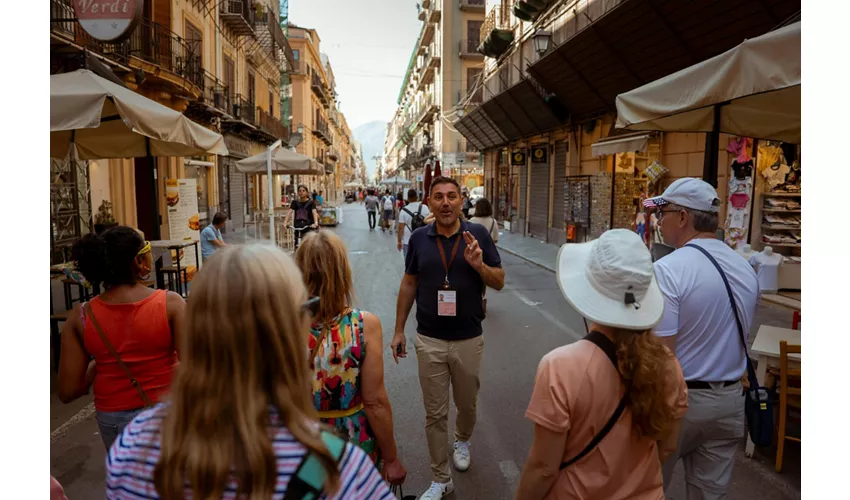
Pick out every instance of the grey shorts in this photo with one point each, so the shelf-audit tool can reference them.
(112, 423)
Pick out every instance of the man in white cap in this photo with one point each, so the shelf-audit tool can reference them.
(700, 326)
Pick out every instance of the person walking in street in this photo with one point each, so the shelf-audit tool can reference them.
(449, 342)
(410, 218)
(484, 216)
(700, 326)
(388, 205)
(211, 239)
(606, 410)
(372, 203)
(320, 199)
(304, 214)
(239, 422)
(346, 356)
(467, 204)
(130, 330)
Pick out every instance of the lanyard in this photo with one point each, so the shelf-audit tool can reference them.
(447, 264)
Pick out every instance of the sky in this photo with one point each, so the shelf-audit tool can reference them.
(369, 43)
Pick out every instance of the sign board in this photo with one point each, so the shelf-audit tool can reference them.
(518, 157)
(108, 20)
(540, 154)
(419, 178)
(453, 159)
(181, 200)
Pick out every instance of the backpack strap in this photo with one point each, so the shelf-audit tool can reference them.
(610, 350)
(309, 479)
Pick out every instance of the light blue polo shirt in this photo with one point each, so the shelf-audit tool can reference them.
(209, 234)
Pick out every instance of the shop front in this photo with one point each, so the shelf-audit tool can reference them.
(233, 185)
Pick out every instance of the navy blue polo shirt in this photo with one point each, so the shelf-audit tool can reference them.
(424, 262)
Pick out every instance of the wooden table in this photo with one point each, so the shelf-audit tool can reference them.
(175, 245)
(766, 350)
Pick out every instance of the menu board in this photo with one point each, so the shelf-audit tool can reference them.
(181, 200)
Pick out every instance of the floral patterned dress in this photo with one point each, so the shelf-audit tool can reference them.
(336, 381)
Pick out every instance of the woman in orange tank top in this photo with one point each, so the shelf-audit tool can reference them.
(122, 343)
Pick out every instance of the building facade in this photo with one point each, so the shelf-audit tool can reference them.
(443, 69)
(217, 62)
(554, 166)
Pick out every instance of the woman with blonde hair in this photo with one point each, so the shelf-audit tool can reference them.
(346, 355)
(239, 422)
(606, 410)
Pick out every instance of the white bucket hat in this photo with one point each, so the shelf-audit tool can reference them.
(611, 281)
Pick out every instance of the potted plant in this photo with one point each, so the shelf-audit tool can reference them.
(104, 220)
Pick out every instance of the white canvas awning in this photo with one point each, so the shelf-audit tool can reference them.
(284, 161)
(620, 144)
(752, 90)
(105, 120)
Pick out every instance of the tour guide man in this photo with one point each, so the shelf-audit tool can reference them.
(449, 311)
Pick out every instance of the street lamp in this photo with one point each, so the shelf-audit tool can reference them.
(541, 41)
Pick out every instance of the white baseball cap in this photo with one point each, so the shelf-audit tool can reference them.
(611, 281)
(689, 192)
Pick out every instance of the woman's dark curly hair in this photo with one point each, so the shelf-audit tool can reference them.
(109, 257)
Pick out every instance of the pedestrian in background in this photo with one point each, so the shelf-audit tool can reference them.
(372, 203)
(410, 218)
(240, 422)
(302, 215)
(619, 375)
(130, 330)
(449, 342)
(388, 205)
(346, 356)
(700, 326)
(320, 199)
(211, 239)
(484, 216)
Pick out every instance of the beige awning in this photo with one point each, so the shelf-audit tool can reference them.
(754, 86)
(284, 161)
(620, 144)
(105, 120)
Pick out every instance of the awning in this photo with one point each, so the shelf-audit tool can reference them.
(105, 120)
(620, 144)
(752, 90)
(284, 161)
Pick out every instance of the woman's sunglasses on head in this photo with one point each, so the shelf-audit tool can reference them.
(311, 306)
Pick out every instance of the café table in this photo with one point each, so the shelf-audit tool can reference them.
(175, 245)
(765, 350)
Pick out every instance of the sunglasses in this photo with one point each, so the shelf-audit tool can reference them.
(660, 213)
(311, 306)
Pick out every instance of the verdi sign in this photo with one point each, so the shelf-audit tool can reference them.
(108, 20)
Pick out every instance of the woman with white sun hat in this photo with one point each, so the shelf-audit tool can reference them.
(606, 410)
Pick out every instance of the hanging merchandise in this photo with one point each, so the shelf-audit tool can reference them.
(738, 208)
(740, 147)
(742, 170)
(655, 171)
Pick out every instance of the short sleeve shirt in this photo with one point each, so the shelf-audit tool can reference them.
(406, 219)
(424, 261)
(208, 235)
(576, 391)
(309, 206)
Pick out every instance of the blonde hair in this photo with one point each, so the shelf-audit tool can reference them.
(649, 372)
(323, 260)
(243, 353)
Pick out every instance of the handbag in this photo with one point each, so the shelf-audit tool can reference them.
(135, 383)
(398, 492)
(758, 406)
(610, 350)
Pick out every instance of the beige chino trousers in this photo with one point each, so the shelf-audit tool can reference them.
(444, 362)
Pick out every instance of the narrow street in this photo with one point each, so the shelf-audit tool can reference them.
(525, 320)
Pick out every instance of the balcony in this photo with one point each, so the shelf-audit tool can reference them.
(244, 110)
(468, 49)
(269, 34)
(238, 15)
(272, 126)
(427, 111)
(320, 130)
(473, 6)
(214, 94)
(434, 15)
(428, 63)
(496, 33)
(319, 89)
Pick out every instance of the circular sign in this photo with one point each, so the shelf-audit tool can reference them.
(108, 20)
(518, 157)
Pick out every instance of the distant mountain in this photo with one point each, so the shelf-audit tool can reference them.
(371, 135)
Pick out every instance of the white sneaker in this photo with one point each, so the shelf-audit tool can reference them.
(438, 491)
(461, 455)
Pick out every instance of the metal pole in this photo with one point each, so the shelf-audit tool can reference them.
(271, 148)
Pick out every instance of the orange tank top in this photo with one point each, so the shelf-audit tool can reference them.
(141, 335)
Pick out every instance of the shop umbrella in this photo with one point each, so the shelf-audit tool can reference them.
(426, 183)
(352, 184)
(284, 162)
(437, 171)
(104, 120)
(752, 90)
(396, 181)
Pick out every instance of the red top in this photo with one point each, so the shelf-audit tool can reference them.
(141, 335)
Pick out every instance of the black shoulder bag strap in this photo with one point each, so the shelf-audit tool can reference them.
(751, 372)
(610, 350)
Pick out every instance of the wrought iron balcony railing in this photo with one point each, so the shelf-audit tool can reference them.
(215, 93)
(272, 125)
(244, 110)
(238, 15)
(473, 5)
(468, 49)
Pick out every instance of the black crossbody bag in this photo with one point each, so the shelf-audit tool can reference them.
(758, 406)
(610, 350)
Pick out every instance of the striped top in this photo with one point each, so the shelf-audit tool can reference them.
(133, 456)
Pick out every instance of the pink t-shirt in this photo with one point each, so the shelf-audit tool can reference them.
(576, 391)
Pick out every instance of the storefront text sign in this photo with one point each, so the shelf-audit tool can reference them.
(108, 20)
(237, 145)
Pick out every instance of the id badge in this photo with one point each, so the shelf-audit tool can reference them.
(446, 303)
